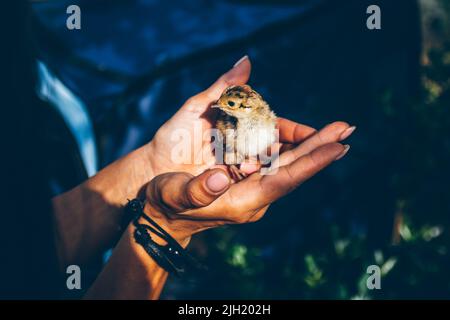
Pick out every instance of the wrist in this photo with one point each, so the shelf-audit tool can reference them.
(181, 234)
(123, 179)
(92, 212)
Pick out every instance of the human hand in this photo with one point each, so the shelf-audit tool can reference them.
(108, 190)
(185, 204)
(195, 118)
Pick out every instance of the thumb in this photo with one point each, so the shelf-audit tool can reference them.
(207, 187)
(238, 75)
(178, 192)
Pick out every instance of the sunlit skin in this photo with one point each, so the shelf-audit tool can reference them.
(237, 204)
(183, 198)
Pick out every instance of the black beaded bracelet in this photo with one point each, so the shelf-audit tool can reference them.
(172, 256)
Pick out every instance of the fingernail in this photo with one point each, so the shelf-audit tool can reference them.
(347, 132)
(240, 61)
(217, 182)
(344, 152)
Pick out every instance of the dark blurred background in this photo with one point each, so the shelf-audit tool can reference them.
(134, 63)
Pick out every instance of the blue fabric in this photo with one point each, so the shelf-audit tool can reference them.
(133, 37)
(130, 39)
(74, 113)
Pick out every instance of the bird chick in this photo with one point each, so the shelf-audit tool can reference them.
(247, 126)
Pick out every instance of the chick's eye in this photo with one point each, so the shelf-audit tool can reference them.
(231, 103)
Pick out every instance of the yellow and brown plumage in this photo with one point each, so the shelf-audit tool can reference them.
(247, 125)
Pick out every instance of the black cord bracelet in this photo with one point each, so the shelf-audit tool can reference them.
(172, 256)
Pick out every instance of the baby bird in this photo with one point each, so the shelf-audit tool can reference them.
(247, 125)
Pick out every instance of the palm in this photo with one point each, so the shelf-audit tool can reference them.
(248, 199)
(194, 121)
(194, 118)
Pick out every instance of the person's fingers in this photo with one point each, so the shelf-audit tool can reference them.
(292, 175)
(254, 164)
(290, 132)
(178, 192)
(334, 132)
(293, 132)
(244, 200)
(286, 147)
(238, 75)
(249, 167)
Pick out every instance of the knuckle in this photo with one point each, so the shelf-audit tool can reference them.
(225, 81)
(256, 217)
(320, 159)
(340, 124)
(291, 181)
(194, 101)
(320, 137)
(337, 128)
(290, 156)
(194, 199)
(153, 190)
(289, 173)
(191, 100)
(313, 163)
(240, 219)
(166, 197)
(170, 216)
(313, 160)
(331, 132)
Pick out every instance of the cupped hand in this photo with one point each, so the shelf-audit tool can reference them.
(194, 119)
(185, 204)
(190, 196)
